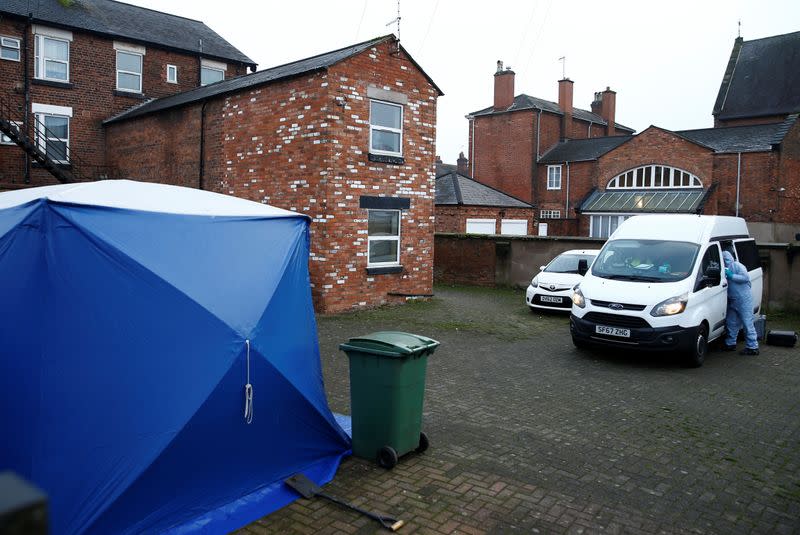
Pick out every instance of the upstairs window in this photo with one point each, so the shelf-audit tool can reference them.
(9, 48)
(51, 58)
(212, 71)
(383, 241)
(385, 128)
(553, 177)
(654, 176)
(172, 74)
(129, 71)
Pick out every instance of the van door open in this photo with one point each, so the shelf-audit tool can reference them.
(711, 289)
(747, 254)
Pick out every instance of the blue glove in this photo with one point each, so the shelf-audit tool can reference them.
(728, 273)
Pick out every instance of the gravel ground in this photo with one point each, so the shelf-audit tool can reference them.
(530, 435)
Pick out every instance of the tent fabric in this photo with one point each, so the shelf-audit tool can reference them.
(127, 313)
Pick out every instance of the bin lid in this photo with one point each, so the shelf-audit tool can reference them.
(391, 344)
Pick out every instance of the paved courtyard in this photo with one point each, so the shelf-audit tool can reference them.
(529, 435)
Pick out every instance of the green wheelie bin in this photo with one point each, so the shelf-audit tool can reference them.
(387, 387)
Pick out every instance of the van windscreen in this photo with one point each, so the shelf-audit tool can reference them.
(646, 260)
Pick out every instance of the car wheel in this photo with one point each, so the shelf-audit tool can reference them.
(697, 354)
(387, 457)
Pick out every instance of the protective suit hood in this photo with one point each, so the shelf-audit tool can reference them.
(727, 257)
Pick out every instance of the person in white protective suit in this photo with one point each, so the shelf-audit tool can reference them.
(740, 306)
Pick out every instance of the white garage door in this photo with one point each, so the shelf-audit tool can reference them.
(514, 227)
(481, 226)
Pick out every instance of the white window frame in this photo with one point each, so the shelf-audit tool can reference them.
(373, 127)
(370, 239)
(4, 139)
(132, 73)
(41, 59)
(207, 64)
(10, 43)
(620, 218)
(550, 214)
(174, 70)
(551, 178)
(42, 110)
(671, 178)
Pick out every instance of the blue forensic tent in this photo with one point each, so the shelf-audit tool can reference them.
(127, 313)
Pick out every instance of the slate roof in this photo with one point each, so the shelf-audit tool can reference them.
(581, 150)
(762, 78)
(753, 138)
(645, 201)
(527, 102)
(295, 68)
(445, 168)
(455, 189)
(138, 24)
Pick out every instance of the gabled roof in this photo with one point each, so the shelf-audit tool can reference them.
(761, 79)
(118, 20)
(455, 189)
(295, 68)
(753, 138)
(581, 150)
(527, 102)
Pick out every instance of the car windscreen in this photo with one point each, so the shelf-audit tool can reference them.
(568, 263)
(646, 260)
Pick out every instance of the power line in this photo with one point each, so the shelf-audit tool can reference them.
(363, 11)
(430, 23)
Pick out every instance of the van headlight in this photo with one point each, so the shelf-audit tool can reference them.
(578, 299)
(670, 307)
(535, 281)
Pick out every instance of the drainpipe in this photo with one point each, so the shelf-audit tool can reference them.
(472, 156)
(27, 86)
(202, 166)
(738, 179)
(566, 210)
(589, 132)
(538, 132)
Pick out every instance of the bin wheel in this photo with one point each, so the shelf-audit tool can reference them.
(424, 443)
(387, 457)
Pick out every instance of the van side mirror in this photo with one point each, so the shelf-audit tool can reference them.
(583, 266)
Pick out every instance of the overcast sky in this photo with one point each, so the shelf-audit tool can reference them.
(664, 59)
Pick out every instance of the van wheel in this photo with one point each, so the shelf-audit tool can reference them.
(697, 354)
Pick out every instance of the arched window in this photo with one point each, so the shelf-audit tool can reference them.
(654, 176)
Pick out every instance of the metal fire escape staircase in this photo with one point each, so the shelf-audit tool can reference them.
(51, 160)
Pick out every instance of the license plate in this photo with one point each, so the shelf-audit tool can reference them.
(612, 331)
(550, 299)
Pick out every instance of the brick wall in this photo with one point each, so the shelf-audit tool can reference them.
(302, 144)
(91, 94)
(749, 121)
(505, 148)
(788, 184)
(451, 218)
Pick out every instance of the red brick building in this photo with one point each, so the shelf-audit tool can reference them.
(65, 69)
(507, 139)
(748, 165)
(346, 137)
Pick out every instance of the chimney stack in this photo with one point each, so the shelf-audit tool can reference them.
(608, 110)
(503, 87)
(462, 165)
(565, 103)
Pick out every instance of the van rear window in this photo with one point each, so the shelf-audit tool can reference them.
(747, 252)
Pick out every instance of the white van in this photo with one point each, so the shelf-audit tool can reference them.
(658, 284)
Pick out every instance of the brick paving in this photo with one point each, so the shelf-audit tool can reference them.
(529, 435)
